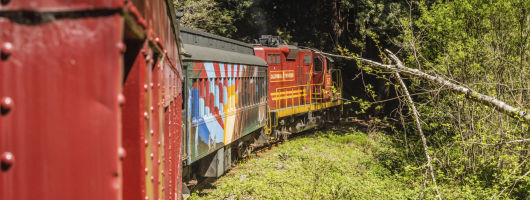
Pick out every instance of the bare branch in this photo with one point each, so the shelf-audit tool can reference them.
(517, 113)
(410, 103)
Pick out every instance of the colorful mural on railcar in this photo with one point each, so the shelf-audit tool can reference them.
(224, 103)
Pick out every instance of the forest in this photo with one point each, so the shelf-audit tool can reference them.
(441, 136)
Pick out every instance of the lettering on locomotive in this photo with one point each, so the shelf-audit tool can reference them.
(281, 76)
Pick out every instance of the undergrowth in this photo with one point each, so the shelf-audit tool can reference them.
(327, 165)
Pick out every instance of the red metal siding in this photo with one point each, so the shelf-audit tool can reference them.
(152, 129)
(133, 130)
(59, 5)
(64, 78)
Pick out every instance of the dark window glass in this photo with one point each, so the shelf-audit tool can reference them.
(317, 64)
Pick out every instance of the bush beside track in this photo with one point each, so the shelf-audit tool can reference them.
(340, 163)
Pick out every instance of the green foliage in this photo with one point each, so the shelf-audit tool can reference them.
(482, 44)
(330, 165)
(209, 16)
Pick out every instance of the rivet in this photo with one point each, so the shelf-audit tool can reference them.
(146, 87)
(151, 108)
(158, 143)
(146, 198)
(146, 170)
(146, 115)
(163, 188)
(146, 142)
(121, 153)
(151, 84)
(116, 185)
(121, 47)
(159, 162)
(121, 100)
(7, 160)
(157, 39)
(152, 132)
(6, 105)
(152, 156)
(7, 47)
(152, 179)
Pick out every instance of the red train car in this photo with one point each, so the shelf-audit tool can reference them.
(91, 99)
(304, 90)
(91, 105)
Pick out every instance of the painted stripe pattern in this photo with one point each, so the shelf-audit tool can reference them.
(224, 103)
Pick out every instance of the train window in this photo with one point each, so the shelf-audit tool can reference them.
(221, 95)
(243, 91)
(317, 64)
(255, 93)
(216, 94)
(274, 59)
(201, 94)
(212, 95)
(260, 88)
(206, 96)
(232, 93)
(247, 100)
(249, 92)
(307, 59)
(239, 93)
(194, 98)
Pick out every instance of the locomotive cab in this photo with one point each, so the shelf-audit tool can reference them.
(301, 85)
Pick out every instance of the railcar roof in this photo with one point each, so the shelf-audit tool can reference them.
(201, 46)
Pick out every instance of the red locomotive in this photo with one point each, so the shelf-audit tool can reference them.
(302, 92)
(111, 99)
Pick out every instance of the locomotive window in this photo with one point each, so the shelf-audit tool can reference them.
(307, 59)
(274, 59)
(317, 64)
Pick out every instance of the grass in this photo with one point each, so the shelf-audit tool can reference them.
(323, 166)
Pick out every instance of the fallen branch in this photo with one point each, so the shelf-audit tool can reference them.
(509, 110)
(416, 115)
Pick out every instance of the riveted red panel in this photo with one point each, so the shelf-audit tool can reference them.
(134, 129)
(64, 78)
(162, 106)
(59, 5)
